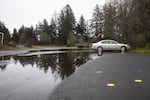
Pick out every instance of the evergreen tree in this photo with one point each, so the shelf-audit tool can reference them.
(45, 38)
(53, 30)
(27, 35)
(109, 20)
(21, 30)
(81, 29)
(45, 26)
(71, 39)
(44, 29)
(15, 36)
(97, 20)
(66, 24)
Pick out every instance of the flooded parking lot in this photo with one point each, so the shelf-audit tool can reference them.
(34, 75)
(74, 75)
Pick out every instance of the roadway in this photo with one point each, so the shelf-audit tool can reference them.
(112, 76)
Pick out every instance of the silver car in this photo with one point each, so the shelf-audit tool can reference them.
(110, 45)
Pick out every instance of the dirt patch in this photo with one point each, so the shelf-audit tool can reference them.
(6, 47)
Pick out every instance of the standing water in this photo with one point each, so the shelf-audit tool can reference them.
(35, 75)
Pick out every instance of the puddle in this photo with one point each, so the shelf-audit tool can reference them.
(4, 62)
(38, 73)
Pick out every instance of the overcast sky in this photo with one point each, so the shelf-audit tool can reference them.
(15, 13)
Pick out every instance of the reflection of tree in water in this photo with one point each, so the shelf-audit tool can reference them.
(61, 65)
(3, 58)
(46, 61)
(25, 60)
(2, 67)
(69, 62)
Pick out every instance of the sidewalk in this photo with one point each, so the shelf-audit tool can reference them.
(19, 49)
(12, 52)
(22, 49)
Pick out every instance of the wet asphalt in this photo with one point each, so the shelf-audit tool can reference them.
(121, 70)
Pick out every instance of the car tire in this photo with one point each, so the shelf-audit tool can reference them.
(100, 49)
(123, 49)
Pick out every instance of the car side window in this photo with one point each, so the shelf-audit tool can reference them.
(113, 42)
(104, 42)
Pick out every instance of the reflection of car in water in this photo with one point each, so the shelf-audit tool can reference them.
(110, 45)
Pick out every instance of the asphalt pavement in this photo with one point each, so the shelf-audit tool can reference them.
(109, 77)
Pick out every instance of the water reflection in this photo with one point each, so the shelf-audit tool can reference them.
(3, 62)
(61, 64)
(2, 67)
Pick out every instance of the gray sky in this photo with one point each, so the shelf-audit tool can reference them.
(15, 13)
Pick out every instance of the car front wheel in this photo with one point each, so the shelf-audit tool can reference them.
(123, 49)
(99, 49)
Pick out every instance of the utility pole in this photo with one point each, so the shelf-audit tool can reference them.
(2, 38)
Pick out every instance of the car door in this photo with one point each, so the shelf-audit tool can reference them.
(113, 45)
(105, 45)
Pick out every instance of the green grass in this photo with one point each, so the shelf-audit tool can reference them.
(141, 50)
(145, 49)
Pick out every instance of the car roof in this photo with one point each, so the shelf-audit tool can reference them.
(107, 40)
